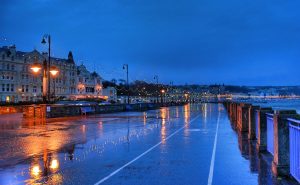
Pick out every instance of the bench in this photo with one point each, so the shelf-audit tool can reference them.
(85, 110)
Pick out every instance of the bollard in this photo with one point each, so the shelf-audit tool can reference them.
(244, 117)
(261, 144)
(231, 110)
(234, 114)
(281, 159)
(251, 123)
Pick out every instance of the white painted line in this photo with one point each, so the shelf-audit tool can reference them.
(212, 162)
(141, 155)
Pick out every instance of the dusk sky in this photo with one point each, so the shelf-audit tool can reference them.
(249, 42)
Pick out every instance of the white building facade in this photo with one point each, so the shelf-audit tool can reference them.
(18, 83)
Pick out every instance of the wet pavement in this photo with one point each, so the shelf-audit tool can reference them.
(193, 144)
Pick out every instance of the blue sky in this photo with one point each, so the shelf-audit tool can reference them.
(248, 42)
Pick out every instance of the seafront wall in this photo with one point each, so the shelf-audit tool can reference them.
(275, 132)
(55, 111)
(10, 109)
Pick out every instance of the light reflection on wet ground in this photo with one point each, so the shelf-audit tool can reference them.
(83, 150)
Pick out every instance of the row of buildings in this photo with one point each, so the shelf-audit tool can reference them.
(18, 83)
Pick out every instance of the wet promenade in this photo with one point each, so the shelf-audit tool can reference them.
(193, 144)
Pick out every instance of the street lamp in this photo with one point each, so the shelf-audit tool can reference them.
(47, 75)
(156, 78)
(54, 71)
(186, 95)
(36, 67)
(162, 95)
(172, 93)
(125, 67)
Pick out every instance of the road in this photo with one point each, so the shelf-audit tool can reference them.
(193, 144)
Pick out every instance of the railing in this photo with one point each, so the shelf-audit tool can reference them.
(256, 123)
(270, 133)
(294, 127)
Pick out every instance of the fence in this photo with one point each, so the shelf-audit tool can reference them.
(270, 133)
(294, 128)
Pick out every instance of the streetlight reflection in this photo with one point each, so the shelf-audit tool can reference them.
(54, 164)
(35, 170)
(186, 110)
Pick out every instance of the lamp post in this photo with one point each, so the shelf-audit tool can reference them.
(156, 78)
(171, 85)
(54, 71)
(48, 37)
(125, 67)
(162, 95)
(36, 67)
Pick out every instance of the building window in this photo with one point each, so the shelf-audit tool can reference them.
(3, 87)
(7, 66)
(7, 87)
(23, 88)
(12, 67)
(34, 89)
(26, 88)
(3, 57)
(89, 89)
(12, 58)
(12, 87)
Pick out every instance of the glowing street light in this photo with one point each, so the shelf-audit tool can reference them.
(162, 94)
(54, 71)
(36, 67)
(54, 164)
(35, 171)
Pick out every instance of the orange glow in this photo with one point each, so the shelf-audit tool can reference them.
(35, 171)
(36, 67)
(186, 113)
(163, 91)
(54, 164)
(54, 71)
